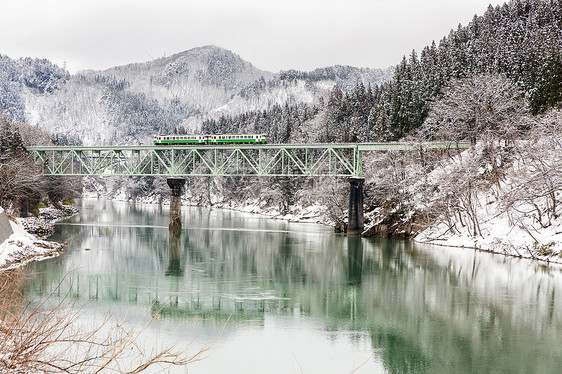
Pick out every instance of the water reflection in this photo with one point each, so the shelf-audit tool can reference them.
(408, 308)
(354, 259)
(174, 263)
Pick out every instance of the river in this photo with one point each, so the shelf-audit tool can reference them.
(277, 297)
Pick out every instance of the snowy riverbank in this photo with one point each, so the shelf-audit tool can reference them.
(27, 242)
(518, 215)
(499, 235)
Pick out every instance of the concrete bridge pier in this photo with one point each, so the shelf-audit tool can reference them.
(356, 221)
(176, 185)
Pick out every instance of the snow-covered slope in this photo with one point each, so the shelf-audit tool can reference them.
(517, 215)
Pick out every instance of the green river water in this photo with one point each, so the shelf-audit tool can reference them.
(278, 297)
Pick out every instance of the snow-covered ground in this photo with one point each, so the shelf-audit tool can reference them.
(518, 216)
(499, 235)
(22, 247)
(315, 213)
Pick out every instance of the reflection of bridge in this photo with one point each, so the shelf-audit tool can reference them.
(179, 162)
(212, 294)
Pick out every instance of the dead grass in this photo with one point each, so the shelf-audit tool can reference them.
(43, 336)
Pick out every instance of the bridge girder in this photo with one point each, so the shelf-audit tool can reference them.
(266, 161)
(274, 160)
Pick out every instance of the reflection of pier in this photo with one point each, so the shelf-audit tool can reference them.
(174, 262)
(354, 259)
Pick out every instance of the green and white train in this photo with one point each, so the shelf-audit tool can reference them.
(209, 139)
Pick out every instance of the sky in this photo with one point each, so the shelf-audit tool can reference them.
(273, 35)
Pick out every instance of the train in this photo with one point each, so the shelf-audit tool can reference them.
(175, 139)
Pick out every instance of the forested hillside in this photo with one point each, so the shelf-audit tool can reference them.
(521, 39)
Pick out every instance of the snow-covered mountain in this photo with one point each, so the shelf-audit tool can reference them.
(202, 78)
(128, 104)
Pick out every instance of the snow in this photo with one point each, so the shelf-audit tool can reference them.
(22, 247)
(314, 213)
(499, 236)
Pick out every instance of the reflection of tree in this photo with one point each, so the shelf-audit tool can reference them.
(399, 354)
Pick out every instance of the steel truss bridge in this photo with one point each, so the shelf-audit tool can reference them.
(271, 160)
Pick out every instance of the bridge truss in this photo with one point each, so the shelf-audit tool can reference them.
(335, 160)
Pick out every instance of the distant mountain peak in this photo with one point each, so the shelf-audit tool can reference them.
(203, 52)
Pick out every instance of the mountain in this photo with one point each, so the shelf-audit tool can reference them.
(202, 78)
(128, 104)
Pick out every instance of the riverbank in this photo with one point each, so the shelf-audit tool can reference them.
(28, 241)
(498, 235)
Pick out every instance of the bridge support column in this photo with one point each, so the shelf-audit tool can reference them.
(356, 221)
(176, 185)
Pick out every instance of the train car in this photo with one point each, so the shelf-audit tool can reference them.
(175, 139)
(237, 139)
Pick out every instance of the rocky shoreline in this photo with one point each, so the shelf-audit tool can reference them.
(27, 243)
(43, 226)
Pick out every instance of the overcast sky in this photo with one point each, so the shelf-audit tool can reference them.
(271, 34)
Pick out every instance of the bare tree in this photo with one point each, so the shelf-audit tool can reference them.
(536, 180)
(43, 337)
(19, 181)
(482, 107)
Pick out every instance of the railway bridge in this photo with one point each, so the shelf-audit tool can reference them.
(265, 160)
